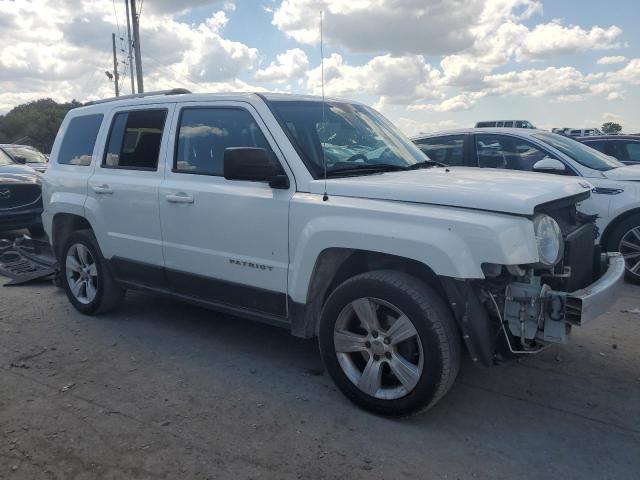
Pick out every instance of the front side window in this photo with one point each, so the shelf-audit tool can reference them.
(502, 151)
(581, 153)
(79, 140)
(599, 145)
(135, 139)
(348, 137)
(205, 133)
(448, 150)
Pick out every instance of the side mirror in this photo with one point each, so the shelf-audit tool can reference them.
(549, 165)
(254, 165)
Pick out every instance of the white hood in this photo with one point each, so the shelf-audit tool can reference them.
(629, 172)
(484, 189)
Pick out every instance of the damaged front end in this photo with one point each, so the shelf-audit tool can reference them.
(521, 309)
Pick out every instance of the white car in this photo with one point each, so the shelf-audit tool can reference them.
(320, 217)
(615, 195)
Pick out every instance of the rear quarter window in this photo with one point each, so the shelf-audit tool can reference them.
(79, 140)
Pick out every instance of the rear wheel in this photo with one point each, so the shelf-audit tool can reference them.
(389, 342)
(86, 277)
(625, 239)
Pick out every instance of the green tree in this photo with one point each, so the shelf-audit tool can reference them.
(610, 128)
(35, 123)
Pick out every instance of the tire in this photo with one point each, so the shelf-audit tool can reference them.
(625, 238)
(429, 345)
(103, 294)
(37, 231)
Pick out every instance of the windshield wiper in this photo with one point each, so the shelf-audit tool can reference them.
(365, 169)
(426, 164)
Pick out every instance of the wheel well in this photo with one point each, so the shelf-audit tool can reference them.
(614, 223)
(63, 225)
(336, 265)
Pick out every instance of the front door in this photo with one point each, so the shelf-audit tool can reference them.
(225, 241)
(123, 193)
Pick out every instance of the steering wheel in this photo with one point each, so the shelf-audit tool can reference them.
(357, 156)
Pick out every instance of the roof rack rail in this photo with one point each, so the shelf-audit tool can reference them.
(172, 91)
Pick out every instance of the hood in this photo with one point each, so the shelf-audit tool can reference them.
(628, 172)
(18, 174)
(481, 189)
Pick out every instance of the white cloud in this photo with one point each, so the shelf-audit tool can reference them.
(554, 39)
(394, 80)
(288, 66)
(375, 26)
(611, 60)
(411, 127)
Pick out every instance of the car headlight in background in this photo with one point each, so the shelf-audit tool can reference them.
(549, 239)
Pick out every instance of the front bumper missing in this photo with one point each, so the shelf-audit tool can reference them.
(586, 304)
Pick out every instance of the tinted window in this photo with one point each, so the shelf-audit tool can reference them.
(508, 124)
(485, 124)
(79, 140)
(447, 150)
(633, 151)
(600, 145)
(587, 156)
(134, 140)
(520, 124)
(513, 153)
(206, 132)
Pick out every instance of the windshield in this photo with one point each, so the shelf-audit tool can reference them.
(350, 137)
(580, 152)
(5, 159)
(29, 154)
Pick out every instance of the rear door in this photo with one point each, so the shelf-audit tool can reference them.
(122, 199)
(225, 241)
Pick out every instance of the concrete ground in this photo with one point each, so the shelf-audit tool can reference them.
(161, 389)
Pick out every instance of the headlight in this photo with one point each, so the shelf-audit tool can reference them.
(549, 239)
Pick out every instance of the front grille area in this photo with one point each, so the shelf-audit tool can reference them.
(14, 196)
(580, 251)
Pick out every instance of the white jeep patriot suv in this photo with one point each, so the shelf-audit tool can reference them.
(319, 216)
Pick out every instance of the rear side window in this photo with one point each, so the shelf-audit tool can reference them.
(79, 140)
(598, 145)
(206, 132)
(135, 139)
(448, 150)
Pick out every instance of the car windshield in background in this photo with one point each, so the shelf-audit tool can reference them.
(5, 159)
(350, 137)
(580, 152)
(30, 155)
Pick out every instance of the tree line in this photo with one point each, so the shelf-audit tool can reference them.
(34, 123)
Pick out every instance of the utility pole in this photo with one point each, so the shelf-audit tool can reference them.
(136, 45)
(116, 77)
(133, 85)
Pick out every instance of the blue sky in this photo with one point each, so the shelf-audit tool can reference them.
(427, 64)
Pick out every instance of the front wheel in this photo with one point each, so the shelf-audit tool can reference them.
(625, 238)
(389, 342)
(86, 277)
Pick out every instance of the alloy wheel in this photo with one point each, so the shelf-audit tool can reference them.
(378, 348)
(82, 273)
(630, 250)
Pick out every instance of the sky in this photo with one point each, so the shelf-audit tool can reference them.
(426, 64)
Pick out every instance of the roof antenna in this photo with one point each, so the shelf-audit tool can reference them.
(325, 197)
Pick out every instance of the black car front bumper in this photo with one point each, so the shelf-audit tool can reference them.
(20, 218)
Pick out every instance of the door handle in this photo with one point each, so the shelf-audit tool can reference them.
(102, 189)
(180, 197)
